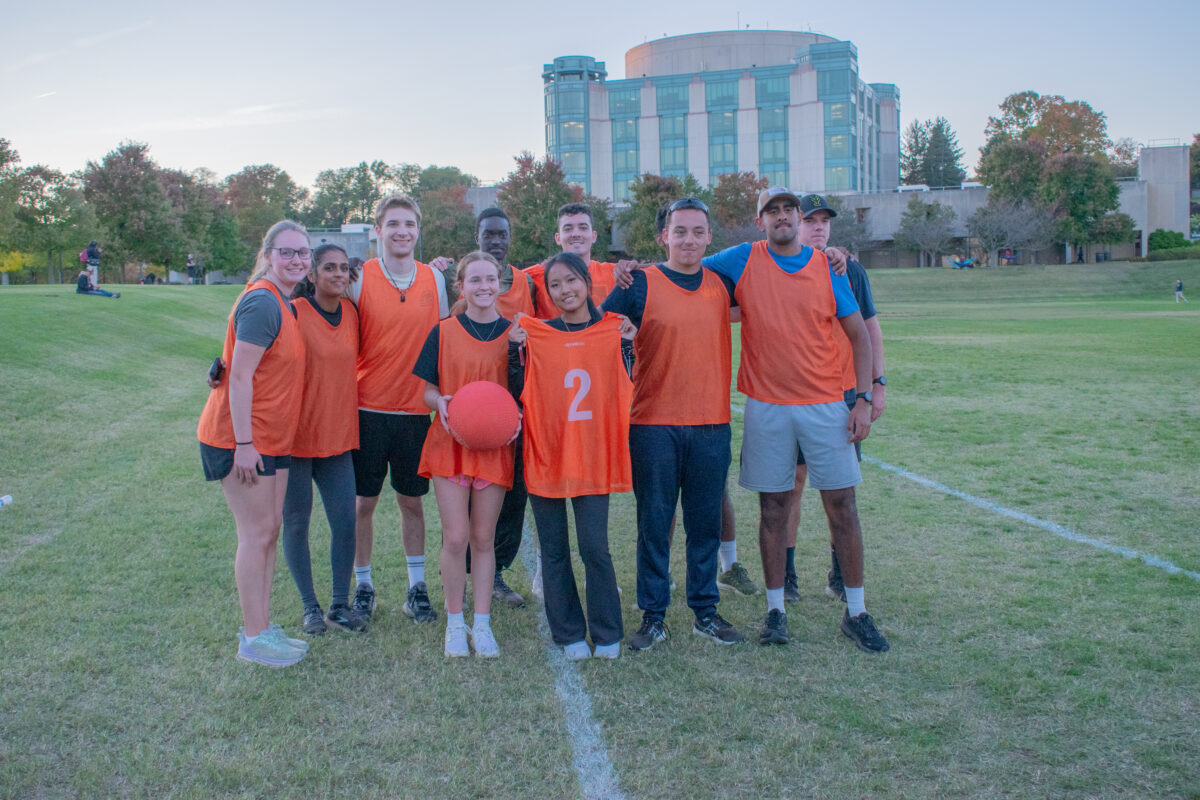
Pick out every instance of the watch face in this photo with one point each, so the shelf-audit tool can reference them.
(881, 380)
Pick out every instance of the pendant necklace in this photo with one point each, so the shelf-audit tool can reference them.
(392, 280)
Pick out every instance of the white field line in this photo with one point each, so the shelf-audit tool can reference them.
(1029, 519)
(597, 778)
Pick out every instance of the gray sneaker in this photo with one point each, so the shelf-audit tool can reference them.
(774, 629)
(270, 648)
(651, 632)
(504, 593)
(314, 621)
(717, 628)
(738, 580)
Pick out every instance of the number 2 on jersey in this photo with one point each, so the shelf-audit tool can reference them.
(585, 386)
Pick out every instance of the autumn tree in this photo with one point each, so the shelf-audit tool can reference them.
(259, 196)
(926, 229)
(531, 195)
(647, 194)
(447, 223)
(1062, 126)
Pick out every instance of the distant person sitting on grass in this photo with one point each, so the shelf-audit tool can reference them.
(84, 285)
(1179, 291)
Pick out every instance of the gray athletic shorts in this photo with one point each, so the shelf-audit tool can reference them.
(773, 435)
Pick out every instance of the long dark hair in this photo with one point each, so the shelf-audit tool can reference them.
(576, 265)
(306, 288)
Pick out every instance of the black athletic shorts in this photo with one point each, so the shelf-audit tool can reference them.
(393, 440)
(218, 462)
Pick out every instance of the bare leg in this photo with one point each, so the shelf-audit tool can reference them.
(364, 529)
(485, 510)
(258, 512)
(846, 533)
(772, 535)
(412, 524)
(452, 508)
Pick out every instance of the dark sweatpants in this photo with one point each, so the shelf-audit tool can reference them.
(334, 477)
(687, 464)
(563, 610)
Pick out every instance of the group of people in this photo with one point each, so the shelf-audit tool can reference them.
(623, 371)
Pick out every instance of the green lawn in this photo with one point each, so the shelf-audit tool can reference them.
(1022, 664)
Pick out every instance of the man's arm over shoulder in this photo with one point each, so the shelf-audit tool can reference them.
(731, 261)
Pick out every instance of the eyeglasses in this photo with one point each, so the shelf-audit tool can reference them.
(686, 204)
(288, 252)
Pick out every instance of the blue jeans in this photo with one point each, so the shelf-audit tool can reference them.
(673, 463)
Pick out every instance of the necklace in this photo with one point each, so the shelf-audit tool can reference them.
(491, 328)
(392, 280)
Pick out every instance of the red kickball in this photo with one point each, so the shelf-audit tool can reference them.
(483, 415)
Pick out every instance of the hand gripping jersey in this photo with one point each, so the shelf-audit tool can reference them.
(789, 353)
(463, 359)
(516, 299)
(328, 409)
(393, 325)
(576, 402)
(683, 347)
(602, 284)
(275, 406)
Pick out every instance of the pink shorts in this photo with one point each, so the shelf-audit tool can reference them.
(467, 480)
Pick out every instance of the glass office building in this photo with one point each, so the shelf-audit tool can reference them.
(785, 105)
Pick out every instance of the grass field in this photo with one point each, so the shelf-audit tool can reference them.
(1022, 664)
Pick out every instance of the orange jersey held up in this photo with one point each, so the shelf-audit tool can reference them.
(684, 354)
(277, 387)
(393, 325)
(602, 284)
(328, 409)
(790, 355)
(576, 399)
(463, 359)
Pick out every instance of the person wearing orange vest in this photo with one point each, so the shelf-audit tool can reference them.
(575, 385)
(247, 428)
(493, 233)
(575, 234)
(791, 371)
(469, 484)
(679, 437)
(399, 299)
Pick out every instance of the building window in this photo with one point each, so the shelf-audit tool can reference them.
(773, 145)
(722, 144)
(550, 137)
(839, 179)
(772, 120)
(574, 162)
(625, 131)
(672, 98)
(771, 151)
(772, 91)
(672, 139)
(623, 102)
(837, 114)
(571, 103)
(720, 94)
(673, 160)
(837, 145)
(571, 133)
(775, 177)
(834, 82)
(625, 161)
(621, 192)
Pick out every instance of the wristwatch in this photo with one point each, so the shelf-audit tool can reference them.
(882, 381)
(862, 396)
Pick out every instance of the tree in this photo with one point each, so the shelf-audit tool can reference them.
(447, 223)
(734, 207)
(846, 230)
(1123, 158)
(1061, 126)
(51, 215)
(1114, 229)
(349, 194)
(1080, 190)
(926, 229)
(260, 196)
(943, 158)
(1002, 224)
(1161, 239)
(9, 188)
(912, 152)
(433, 178)
(1195, 159)
(647, 194)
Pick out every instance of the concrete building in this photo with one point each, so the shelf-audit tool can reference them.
(788, 106)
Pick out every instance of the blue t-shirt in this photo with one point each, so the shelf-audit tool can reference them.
(731, 262)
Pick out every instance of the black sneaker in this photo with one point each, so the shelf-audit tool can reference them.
(774, 629)
(835, 588)
(503, 592)
(653, 630)
(791, 588)
(314, 621)
(345, 618)
(715, 627)
(417, 604)
(864, 633)
(364, 600)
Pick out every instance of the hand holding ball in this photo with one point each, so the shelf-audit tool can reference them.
(483, 416)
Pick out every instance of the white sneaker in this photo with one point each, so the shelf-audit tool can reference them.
(577, 651)
(456, 641)
(607, 650)
(485, 642)
(536, 583)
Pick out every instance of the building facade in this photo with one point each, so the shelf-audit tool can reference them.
(785, 105)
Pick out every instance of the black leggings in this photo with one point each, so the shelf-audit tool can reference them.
(563, 610)
(334, 477)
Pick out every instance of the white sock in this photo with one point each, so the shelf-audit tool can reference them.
(482, 621)
(416, 569)
(728, 555)
(250, 640)
(775, 599)
(855, 604)
(362, 575)
(454, 620)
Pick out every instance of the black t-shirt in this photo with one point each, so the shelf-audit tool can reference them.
(632, 301)
(857, 274)
(426, 367)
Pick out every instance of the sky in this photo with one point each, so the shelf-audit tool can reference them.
(222, 85)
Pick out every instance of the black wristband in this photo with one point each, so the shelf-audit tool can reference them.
(243, 443)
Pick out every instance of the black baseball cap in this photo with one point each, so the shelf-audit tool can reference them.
(814, 202)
